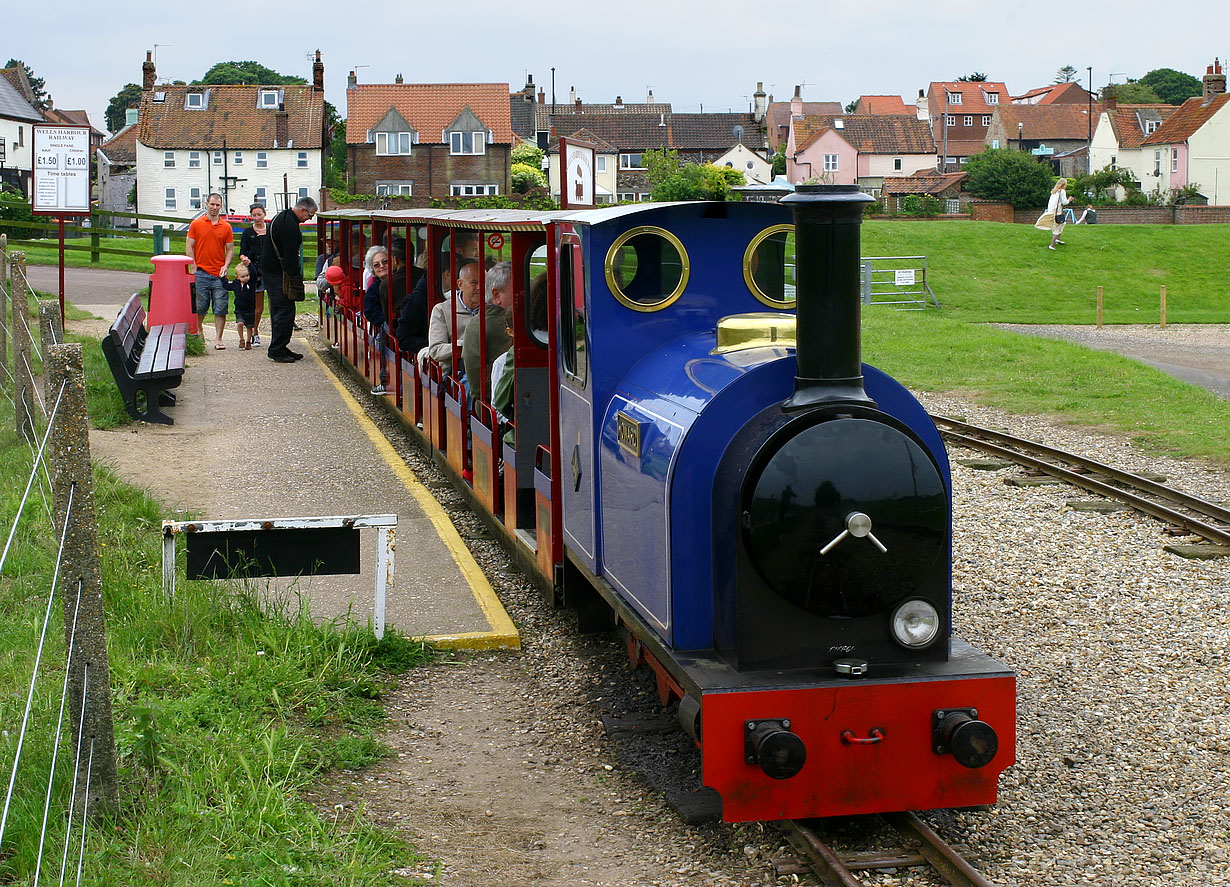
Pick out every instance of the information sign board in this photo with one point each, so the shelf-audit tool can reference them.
(577, 175)
(61, 170)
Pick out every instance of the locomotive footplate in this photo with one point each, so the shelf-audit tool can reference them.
(863, 744)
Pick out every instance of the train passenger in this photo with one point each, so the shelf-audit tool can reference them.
(440, 332)
(467, 248)
(503, 371)
(499, 301)
(377, 263)
(395, 283)
(411, 328)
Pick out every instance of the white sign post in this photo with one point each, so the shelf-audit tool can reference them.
(61, 170)
(577, 183)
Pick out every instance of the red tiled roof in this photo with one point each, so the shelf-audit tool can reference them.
(973, 99)
(930, 182)
(71, 118)
(1186, 119)
(1057, 93)
(122, 147)
(601, 145)
(777, 119)
(429, 108)
(869, 133)
(883, 104)
(231, 114)
(1127, 121)
(1046, 121)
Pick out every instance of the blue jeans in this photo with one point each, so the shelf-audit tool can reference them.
(210, 290)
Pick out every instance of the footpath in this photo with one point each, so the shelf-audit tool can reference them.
(258, 439)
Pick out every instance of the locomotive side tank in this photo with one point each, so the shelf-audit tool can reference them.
(771, 519)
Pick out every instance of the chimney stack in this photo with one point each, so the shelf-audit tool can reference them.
(318, 74)
(1108, 97)
(399, 79)
(572, 94)
(542, 96)
(147, 71)
(283, 129)
(619, 102)
(650, 99)
(528, 89)
(1214, 81)
(351, 80)
(758, 103)
(578, 106)
(796, 103)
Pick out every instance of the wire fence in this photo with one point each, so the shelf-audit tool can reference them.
(46, 796)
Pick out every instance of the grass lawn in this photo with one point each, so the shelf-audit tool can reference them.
(989, 271)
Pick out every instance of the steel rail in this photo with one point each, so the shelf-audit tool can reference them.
(970, 436)
(926, 849)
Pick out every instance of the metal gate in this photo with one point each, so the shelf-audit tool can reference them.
(896, 280)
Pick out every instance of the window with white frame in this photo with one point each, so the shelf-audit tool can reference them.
(1150, 125)
(301, 160)
(168, 160)
(954, 98)
(261, 196)
(217, 158)
(269, 98)
(897, 164)
(969, 119)
(262, 159)
(238, 158)
(1157, 163)
(986, 119)
(168, 200)
(631, 161)
(403, 189)
(194, 160)
(994, 143)
(992, 98)
(1174, 159)
(388, 143)
(196, 100)
(473, 190)
(466, 142)
(303, 192)
(194, 198)
(627, 195)
(830, 163)
(950, 119)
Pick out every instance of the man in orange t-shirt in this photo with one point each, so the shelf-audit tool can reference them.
(210, 245)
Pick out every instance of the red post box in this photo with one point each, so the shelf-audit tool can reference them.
(170, 292)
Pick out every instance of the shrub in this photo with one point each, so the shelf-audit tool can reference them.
(1009, 176)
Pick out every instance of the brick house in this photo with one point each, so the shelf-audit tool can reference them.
(862, 149)
(429, 139)
(1070, 93)
(251, 144)
(1062, 128)
(959, 113)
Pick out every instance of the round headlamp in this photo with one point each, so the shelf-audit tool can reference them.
(915, 623)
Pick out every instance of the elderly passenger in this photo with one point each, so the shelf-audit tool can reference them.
(497, 317)
(440, 333)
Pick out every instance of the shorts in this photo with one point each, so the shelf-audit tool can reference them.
(210, 289)
(246, 316)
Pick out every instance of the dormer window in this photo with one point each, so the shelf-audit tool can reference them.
(992, 98)
(954, 98)
(160, 96)
(194, 101)
(839, 124)
(388, 143)
(467, 142)
(269, 98)
(1150, 125)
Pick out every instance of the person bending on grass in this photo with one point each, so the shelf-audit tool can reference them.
(211, 244)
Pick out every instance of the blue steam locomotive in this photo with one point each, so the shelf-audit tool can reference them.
(699, 457)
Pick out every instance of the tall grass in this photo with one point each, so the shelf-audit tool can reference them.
(228, 702)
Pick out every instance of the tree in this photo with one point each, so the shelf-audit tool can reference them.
(128, 97)
(1173, 87)
(525, 177)
(530, 155)
(852, 106)
(1066, 74)
(335, 160)
(674, 180)
(40, 103)
(1134, 92)
(246, 74)
(1010, 176)
(976, 77)
(779, 163)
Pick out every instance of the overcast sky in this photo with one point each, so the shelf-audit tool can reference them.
(691, 55)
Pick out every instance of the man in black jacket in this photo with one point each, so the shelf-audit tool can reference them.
(284, 253)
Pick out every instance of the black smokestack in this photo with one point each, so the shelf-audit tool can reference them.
(827, 220)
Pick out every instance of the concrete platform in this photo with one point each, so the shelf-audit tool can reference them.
(253, 438)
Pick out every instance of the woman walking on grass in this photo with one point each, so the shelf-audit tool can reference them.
(1053, 218)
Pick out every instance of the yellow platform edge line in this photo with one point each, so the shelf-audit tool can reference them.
(503, 634)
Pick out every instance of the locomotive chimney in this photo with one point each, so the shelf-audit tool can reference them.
(827, 220)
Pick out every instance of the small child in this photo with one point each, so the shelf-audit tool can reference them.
(343, 291)
(245, 305)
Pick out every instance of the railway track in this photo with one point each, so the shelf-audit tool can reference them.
(920, 847)
(1189, 514)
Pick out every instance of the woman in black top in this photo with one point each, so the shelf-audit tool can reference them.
(251, 248)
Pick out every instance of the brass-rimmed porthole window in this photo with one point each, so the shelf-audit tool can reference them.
(647, 268)
(769, 266)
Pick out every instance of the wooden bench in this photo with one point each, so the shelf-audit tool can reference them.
(145, 363)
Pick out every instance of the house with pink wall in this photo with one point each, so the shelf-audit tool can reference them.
(862, 149)
(1192, 147)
